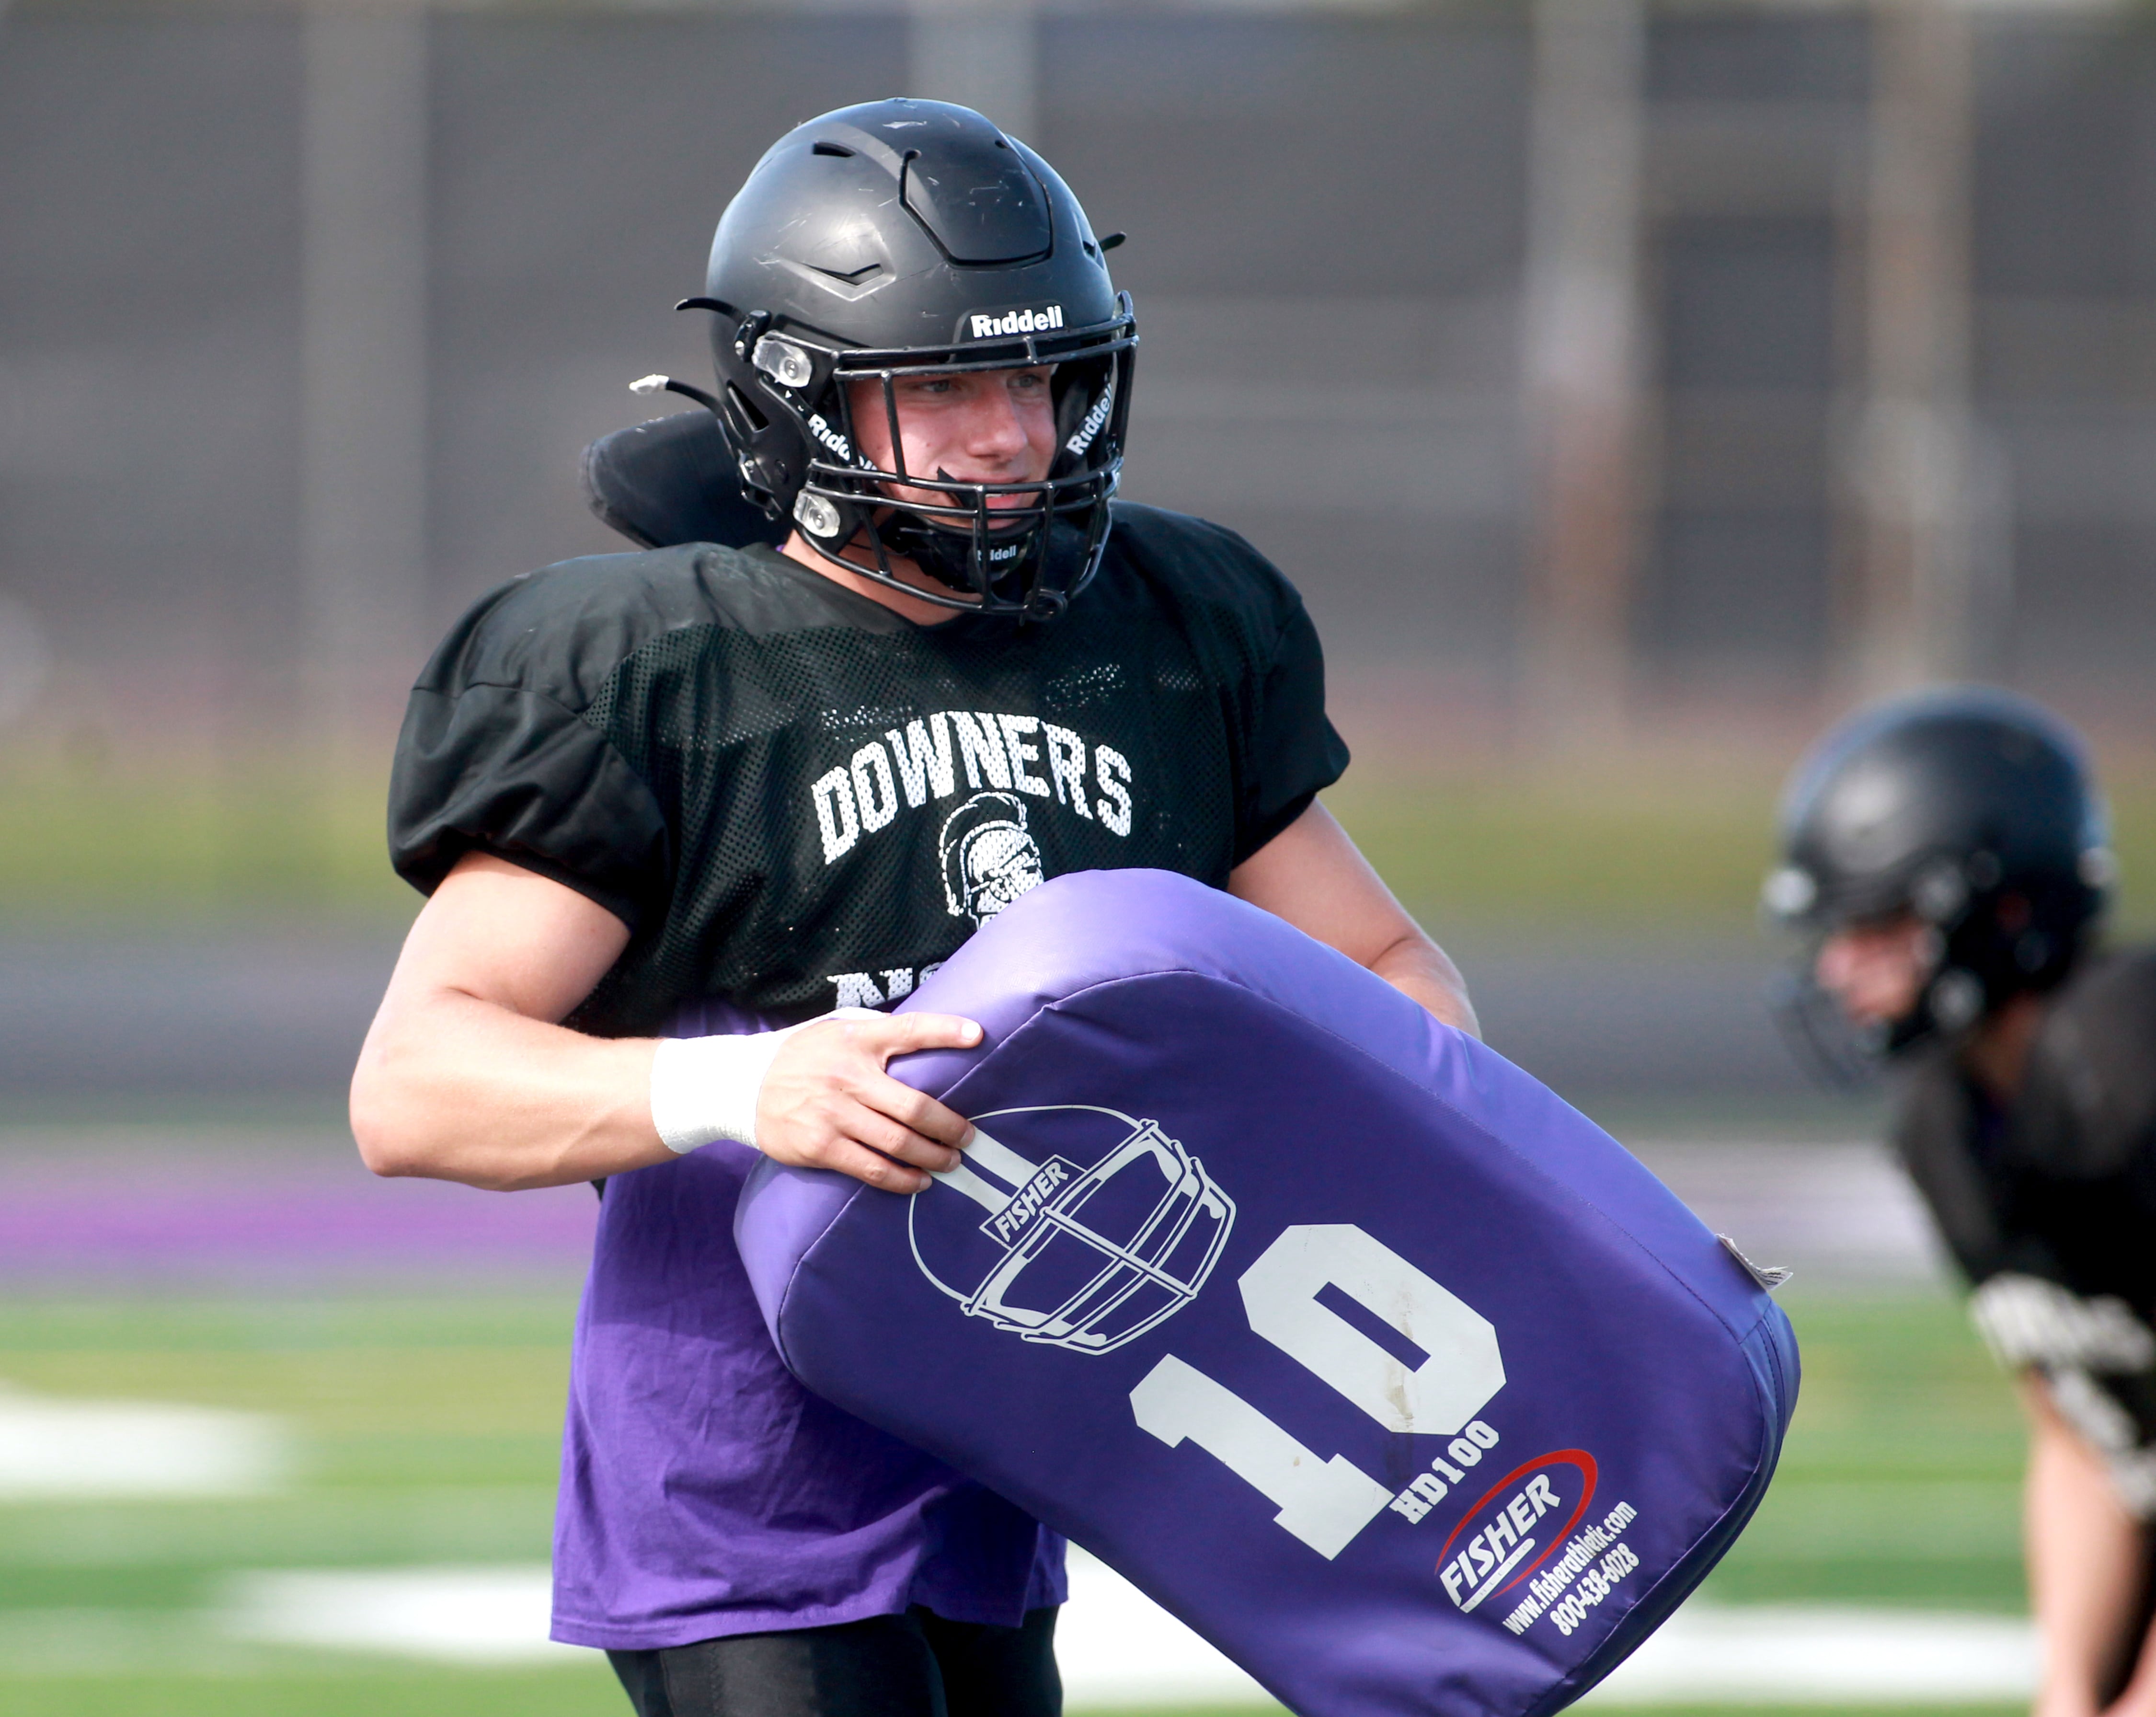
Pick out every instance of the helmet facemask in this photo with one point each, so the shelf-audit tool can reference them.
(1988, 937)
(1969, 815)
(1026, 560)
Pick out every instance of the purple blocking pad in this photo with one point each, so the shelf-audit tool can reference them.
(1355, 1347)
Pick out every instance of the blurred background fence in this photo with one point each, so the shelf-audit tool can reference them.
(1610, 380)
(1741, 356)
(1629, 390)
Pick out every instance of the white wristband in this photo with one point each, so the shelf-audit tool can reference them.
(705, 1088)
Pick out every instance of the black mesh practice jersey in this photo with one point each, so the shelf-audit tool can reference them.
(2049, 1207)
(2062, 1186)
(797, 799)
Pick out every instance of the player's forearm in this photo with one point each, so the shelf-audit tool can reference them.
(1311, 875)
(1419, 968)
(2083, 1553)
(451, 1088)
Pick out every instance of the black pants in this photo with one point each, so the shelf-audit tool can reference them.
(914, 1665)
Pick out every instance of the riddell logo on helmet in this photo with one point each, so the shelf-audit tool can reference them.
(1018, 322)
(830, 437)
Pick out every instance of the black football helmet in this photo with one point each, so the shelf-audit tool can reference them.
(1969, 807)
(900, 237)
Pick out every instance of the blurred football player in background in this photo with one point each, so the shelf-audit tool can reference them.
(712, 792)
(1945, 856)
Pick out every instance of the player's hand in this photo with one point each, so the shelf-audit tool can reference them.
(826, 1102)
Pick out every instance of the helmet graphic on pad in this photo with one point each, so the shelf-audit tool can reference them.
(1103, 1229)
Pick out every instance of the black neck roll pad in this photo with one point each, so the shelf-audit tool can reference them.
(673, 481)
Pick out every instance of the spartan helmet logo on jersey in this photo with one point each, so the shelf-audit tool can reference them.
(1102, 1228)
(989, 856)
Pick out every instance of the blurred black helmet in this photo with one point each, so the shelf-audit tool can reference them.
(896, 238)
(1970, 808)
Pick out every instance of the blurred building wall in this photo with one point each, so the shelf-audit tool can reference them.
(1327, 220)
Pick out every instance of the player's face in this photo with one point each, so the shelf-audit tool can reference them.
(1877, 968)
(981, 426)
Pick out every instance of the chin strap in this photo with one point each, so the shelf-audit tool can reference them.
(1819, 1035)
(948, 557)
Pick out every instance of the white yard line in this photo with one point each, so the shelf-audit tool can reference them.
(1118, 1649)
(476, 1616)
(56, 1450)
(1802, 1655)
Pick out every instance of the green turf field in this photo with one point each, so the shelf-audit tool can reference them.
(426, 1434)
(426, 1428)
(1655, 849)
(1660, 848)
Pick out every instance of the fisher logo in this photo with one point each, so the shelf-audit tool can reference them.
(1009, 1224)
(1516, 1525)
(1044, 321)
(1102, 1228)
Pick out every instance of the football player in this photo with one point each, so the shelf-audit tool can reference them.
(1946, 854)
(686, 819)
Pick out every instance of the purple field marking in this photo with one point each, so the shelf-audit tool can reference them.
(131, 1212)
